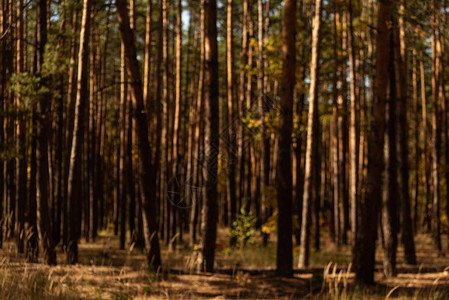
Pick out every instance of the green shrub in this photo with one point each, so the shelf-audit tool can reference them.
(243, 228)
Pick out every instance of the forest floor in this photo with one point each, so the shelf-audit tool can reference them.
(105, 272)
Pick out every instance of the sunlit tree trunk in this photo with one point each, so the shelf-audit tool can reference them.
(353, 142)
(312, 141)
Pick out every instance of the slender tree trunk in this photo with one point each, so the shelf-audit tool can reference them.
(120, 217)
(177, 157)
(264, 107)
(21, 162)
(364, 246)
(231, 145)
(3, 27)
(284, 257)
(334, 139)
(210, 206)
(436, 134)
(343, 136)
(426, 173)
(148, 173)
(198, 122)
(43, 179)
(402, 140)
(312, 140)
(74, 178)
(147, 61)
(242, 107)
(91, 134)
(353, 143)
(417, 152)
(71, 96)
(390, 197)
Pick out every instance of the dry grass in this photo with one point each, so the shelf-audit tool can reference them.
(105, 272)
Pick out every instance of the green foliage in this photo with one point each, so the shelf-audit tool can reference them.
(27, 88)
(244, 227)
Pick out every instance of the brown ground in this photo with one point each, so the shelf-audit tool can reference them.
(105, 272)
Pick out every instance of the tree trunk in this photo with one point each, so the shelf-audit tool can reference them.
(231, 145)
(312, 140)
(417, 152)
(210, 206)
(147, 61)
(264, 107)
(402, 140)
(353, 143)
(284, 257)
(43, 127)
(364, 246)
(148, 173)
(21, 162)
(334, 139)
(120, 217)
(426, 173)
(71, 96)
(75, 178)
(436, 134)
(390, 197)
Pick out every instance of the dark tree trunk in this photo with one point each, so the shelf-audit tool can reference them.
(43, 128)
(210, 205)
(436, 133)
(74, 178)
(390, 197)
(284, 256)
(148, 172)
(402, 141)
(365, 241)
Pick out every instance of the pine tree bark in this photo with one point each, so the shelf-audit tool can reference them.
(148, 173)
(21, 162)
(120, 216)
(390, 196)
(436, 134)
(231, 145)
(406, 227)
(43, 127)
(264, 107)
(242, 107)
(71, 96)
(334, 138)
(75, 178)
(312, 141)
(210, 205)
(353, 142)
(147, 60)
(284, 258)
(364, 245)
(416, 134)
